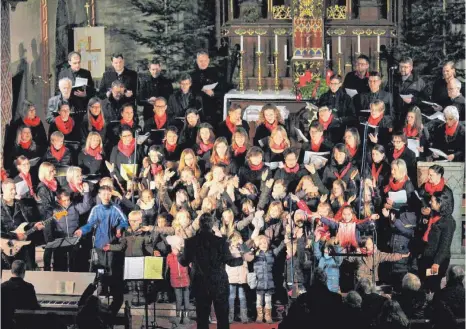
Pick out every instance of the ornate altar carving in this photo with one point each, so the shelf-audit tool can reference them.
(336, 12)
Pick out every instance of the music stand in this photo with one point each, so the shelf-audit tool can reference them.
(62, 243)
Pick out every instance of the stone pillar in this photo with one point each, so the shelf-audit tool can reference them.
(454, 178)
(6, 88)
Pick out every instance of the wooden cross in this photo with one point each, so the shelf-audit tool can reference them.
(90, 51)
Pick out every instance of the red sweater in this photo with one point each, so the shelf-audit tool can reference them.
(179, 275)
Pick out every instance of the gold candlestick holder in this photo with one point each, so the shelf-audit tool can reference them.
(259, 72)
(241, 72)
(277, 83)
(339, 62)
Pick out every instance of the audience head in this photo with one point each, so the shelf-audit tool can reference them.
(127, 113)
(46, 172)
(206, 223)
(414, 118)
(399, 140)
(202, 59)
(65, 85)
(63, 198)
(392, 315)
(24, 135)
(291, 158)
(93, 141)
(64, 111)
(185, 83)
(442, 203)
(451, 115)
(135, 219)
(455, 275)
(352, 137)
(340, 154)
(377, 108)
(234, 114)
(94, 107)
(74, 175)
(74, 60)
(262, 242)
(18, 269)
(240, 138)
(255, 156)
(192, 118)
(319, 278)
(364, 286)
(411, 282)
(205, 134)
(118, 62)
(316, 130)
(126, 134)
(353, 299)
(22, 164)
(271, 114)
(171, 135)
(160, 106)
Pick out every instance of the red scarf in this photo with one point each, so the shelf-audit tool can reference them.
(450, 131)
(98, 123)
(155, 169)
(25, 145)
(376, 172)
(432, 221)
(32, 122)
(374, 121)
(343, 173)
(327, 123)
(397, 153)
(170, 148)
(216, 160)
(3, 175)
(160, 121)
(52, 185)
(64, 127)
(280, 147)
(231, 126)
(293, 170)
(352, 150)
(431, 188)
(316, 147)
(272, 126)
(238, 150)
(256, 168)
(96, 153)
(364, 251)
(27, 178)
(58, 154)
(410, 131)
(76, 188)
(392, 186)
(204, 148)
(127, 149)
(131, 123)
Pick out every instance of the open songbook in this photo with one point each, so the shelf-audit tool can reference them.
(143, 268)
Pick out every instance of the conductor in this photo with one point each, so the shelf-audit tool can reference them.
(208, 254)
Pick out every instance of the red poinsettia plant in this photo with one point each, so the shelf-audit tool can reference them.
(311, 86)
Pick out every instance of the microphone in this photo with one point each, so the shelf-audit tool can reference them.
(394, 67)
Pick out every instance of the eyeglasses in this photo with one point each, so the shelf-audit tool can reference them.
(160, 106)
(126, 136)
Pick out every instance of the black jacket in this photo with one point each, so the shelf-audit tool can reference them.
(65, 161)
(156, 135)
(330, 175)
(413, 303)
(412, 85)
(47, 200)
(177, 104)
(262, 132)
(32, 152)
(210, 105)
(90, 165)
(73, 136)
(152, 87)
(188, 136)
(410, 158)
(39, 136)
(246, 174)
(22, 212)
(342, 106)
(440, 93)
(111, 108)
(363, 101)
(449, 145)
(440, 237)
(353, 81)
(128, 77)
(85, 131)
(118, 158)
(291, 179)
(458, 102)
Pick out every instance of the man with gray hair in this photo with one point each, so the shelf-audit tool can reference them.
(78, 109)
(452, 296)
(412, 299)
(456, 98)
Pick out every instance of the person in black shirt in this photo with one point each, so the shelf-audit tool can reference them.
(439, 89)
(128, 77)
(111, 106)
(151, 86)
(359, 79)
(362, 101)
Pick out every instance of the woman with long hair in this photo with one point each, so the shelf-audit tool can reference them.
(275, 145)
(91, 157)
(94, 120)
(188, 133)
(221, 155)
(269, 119)
(239, 146)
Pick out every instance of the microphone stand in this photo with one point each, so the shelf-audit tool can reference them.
(136, 133)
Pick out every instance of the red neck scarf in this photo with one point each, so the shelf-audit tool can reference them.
(3, 175)
(27, 178)
(281, 147)
(231, 126)
(397, 153)
(160, 121)
(431, 188)
(343, 173)
(352, 150)
(432, 221)
(216, 160)
(32, 122)
(155, 169)
(76, 188)
(316, 147)
(204, 148)
(272, 126)
(364, 251)
(450, 131)
(58, 154)
(127, 149)
(256, 168)
(25, 145)
(374, 121)
(170, 148)
(376, 172)
(392, 186)
(327, 123)
(64, 127)
(96, 153)
(238, 150)
(293, 170)
(130, 123)
(410, 131)
(52, 185)
(98, 123)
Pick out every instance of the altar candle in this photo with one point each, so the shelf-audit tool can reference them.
(328, 51)
(339, 44)
(285, 53)
(359, 43)
(241, 44)
(276, 43)
(259, 43)
(378, 43)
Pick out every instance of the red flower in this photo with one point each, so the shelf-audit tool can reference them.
(304, 79)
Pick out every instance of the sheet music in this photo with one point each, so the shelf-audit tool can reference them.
(210, 87)
(134, 268)
(351, 92)
(34, 161)
(80, 82)
(399, 197)
(407, 96)
(272, 165)
(153, 268)
(413, 144)
(431, 104)
(142, 138)
(439, 153)
(316, 158)
(437, 115)
(22, 188)
(128, 171)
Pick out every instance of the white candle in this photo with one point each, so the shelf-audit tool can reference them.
(285, 53)
(378, 43)
(276, 43)
(258, 43)
(359, 43)
(328, 51)
(241, 44)
(339, 44)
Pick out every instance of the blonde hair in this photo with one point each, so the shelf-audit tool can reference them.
(235, 238)
(182, 163)
(378, 105)
(401, 164)
(179, 229)
(88, 140)
(303, 179)
(43, 169)
(342, 185)
(107, 181)
(281, 130)
(72, 172)
(273, 204)
(135, 213)
(215, 157)
(278, 115)
(259, 239)
(329, 208)
(228, 230)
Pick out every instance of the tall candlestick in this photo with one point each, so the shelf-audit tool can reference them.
(339, 44)
(241, 44)
(328, 51)
(258, 43)
(378, 42)
(285, 53)
(359, 44)
(276, 43)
